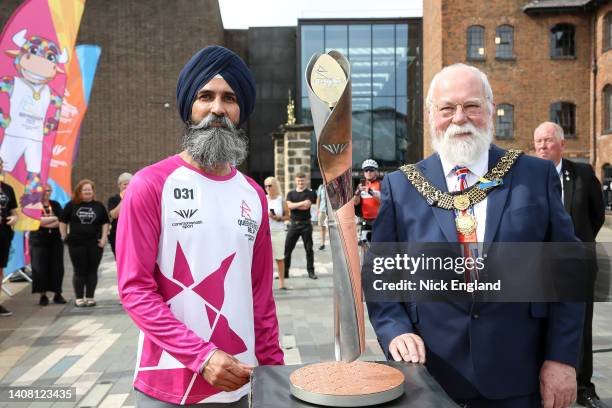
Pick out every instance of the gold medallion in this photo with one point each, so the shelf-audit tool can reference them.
(466, 224)
(36, 96)
(461, 202)
(328, 79)
(475, 195)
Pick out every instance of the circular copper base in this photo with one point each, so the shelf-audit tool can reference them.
(340, 384)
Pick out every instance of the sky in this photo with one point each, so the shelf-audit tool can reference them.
(238, 14)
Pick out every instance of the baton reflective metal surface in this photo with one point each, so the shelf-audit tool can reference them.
(332, 124)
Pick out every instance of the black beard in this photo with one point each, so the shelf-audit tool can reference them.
(210, 146)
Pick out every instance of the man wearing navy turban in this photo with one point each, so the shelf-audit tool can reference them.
(212, 138)
(194, 260)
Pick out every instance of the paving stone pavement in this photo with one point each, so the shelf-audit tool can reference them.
(94, 349)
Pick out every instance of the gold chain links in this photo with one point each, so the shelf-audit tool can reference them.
(435, 196)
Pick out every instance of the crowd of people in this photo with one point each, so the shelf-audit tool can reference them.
(83, 224)
(291, 218)
(519, 355)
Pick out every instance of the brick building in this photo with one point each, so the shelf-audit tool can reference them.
(546, 60)
(602, 78)
(132, 119)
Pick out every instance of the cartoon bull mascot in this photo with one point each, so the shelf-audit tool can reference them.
(34, 110)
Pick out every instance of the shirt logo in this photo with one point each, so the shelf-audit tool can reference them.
(246, 210)
(86, 215)
(247, 222)
(3, 200)
(186, 215)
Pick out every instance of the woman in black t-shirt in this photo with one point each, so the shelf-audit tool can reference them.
(47, 252)
(84, 226)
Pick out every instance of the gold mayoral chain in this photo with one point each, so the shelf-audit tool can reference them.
(466, 224)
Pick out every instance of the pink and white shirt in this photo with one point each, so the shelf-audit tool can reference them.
(195, 274)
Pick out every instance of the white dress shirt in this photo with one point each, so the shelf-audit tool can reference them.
(476, 171)
(558, 167)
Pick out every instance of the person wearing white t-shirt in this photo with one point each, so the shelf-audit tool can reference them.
(278, 212)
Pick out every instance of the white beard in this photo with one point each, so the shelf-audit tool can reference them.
(465, 151)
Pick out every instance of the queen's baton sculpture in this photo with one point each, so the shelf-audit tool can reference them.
(346, 382)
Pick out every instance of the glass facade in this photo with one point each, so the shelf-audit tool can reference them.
(386, 85)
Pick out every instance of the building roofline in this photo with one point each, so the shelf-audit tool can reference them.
(360, 20)
(560, 6)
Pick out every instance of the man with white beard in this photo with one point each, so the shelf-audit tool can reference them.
(498, 355)
(195, 256)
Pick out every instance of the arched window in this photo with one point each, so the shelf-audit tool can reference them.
(562, 41)
(504, 123)
(475, 43)
(564, 114)
(607, 109)
(607, 32)
(504, 42)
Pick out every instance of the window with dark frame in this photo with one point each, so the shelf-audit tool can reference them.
(607, 32)
(607, 104)
(607, 172)
(504, 123)
(504, 42)
(564, 114)
(476, 43)
(562, 42)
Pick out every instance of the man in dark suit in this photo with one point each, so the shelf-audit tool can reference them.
(483, 354)
(582, 198)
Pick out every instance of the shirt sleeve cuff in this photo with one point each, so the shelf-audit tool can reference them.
(201, 371)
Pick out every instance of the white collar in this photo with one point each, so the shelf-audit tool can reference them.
(559, 166)
(479, 167)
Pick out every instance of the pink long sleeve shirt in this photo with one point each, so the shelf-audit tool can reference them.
(194, 264)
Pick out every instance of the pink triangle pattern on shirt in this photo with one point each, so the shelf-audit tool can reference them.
(212, 288)
(182, 272)
(226, 339)
(200, 389)
(151, 354)
(165, 287)
(181, 377)
(211, 315)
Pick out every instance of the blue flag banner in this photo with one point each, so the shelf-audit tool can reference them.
(16, 254)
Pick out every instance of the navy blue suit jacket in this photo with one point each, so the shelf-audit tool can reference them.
(476, 349)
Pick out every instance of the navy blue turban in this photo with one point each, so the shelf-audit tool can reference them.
(203, 67)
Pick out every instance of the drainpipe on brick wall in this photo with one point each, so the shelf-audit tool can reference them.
(594, 90)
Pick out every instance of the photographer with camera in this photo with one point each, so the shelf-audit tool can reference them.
(367, 197)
